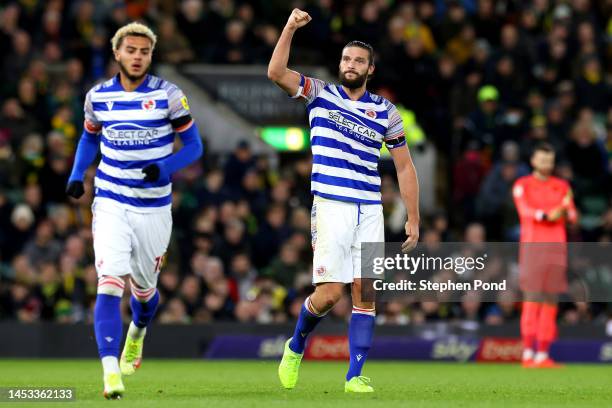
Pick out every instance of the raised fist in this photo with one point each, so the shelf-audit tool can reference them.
(297, 19)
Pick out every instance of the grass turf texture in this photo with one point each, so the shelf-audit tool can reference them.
(183, 383)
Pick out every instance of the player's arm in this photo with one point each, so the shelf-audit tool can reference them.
(278, 72)
(570, 207)
(86, 151)
(524, 208)
(409, 190)
(395, 140)
(184, 125)
(566, 209)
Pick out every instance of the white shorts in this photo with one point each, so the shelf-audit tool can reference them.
(338, 229)
(130, 243)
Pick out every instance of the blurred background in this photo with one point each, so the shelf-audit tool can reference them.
(478, 84)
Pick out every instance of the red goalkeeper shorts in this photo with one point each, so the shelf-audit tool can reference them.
(543, 267)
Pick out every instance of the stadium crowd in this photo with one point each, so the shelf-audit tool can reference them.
(486, 79)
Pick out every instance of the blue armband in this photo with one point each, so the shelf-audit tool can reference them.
(86, 153)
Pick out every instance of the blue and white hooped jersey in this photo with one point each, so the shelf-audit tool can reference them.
(136, 129)
(346, 137)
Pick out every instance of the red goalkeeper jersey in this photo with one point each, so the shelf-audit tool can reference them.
(534, 198)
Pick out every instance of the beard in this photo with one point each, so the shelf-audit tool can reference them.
(355, 83)
(545, 172)
(133, 78)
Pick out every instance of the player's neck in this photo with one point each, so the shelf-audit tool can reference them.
(541, 176)
(130, 85)
(354, 94)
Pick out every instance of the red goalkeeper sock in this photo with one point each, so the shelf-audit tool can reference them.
(529, 323)
(547, 327)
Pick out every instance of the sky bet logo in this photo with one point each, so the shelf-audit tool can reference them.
(349, 122)
(134, 135)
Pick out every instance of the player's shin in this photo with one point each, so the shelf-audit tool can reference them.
(308, 319)
(144, 304)
(107, 322)
(529, 327)
(547, 331)
(361, 330)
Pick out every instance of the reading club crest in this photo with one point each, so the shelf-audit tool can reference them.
(371, 113)
(148, 104)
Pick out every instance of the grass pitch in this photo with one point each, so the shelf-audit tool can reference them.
(183, 383)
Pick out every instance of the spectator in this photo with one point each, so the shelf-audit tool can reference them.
(494, 202)
(269, 238)
(174, 312)
(464, 97)
(238, 164)
(468, 173)
(49, 292)
(418, 73)
(29, 99)
(22, 221)
(483, 125)
(461, 46)
(414, 28)
(43, 248)
(191, 294)
(234, 48)
(15, 121)
(452, 22)
(486, 22)
(173, 46)
(591, 89)
(538, 133)
(254, 193)
(243, 275)
(286, 266)
(508, 81)
(233, 241)
(268, 36)
(17, 61)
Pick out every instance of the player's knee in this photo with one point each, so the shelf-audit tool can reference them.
(329, 301)
(330, 297)
(363, 290)
(111, 285)
(369, 306)
(356, 289)
(141, 294)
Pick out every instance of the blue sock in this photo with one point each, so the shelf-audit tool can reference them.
(306, 323)
(143, 313)
(361, 329)
(108, 325)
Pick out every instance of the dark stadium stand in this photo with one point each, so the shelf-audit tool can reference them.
(240, 248)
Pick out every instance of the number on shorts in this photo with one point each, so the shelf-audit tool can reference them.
(159, 261)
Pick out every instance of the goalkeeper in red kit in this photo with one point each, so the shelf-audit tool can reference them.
(544, 205)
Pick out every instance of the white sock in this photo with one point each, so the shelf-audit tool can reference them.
(528, 354)
(540, 356)
(110, 365)
(136, 332)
